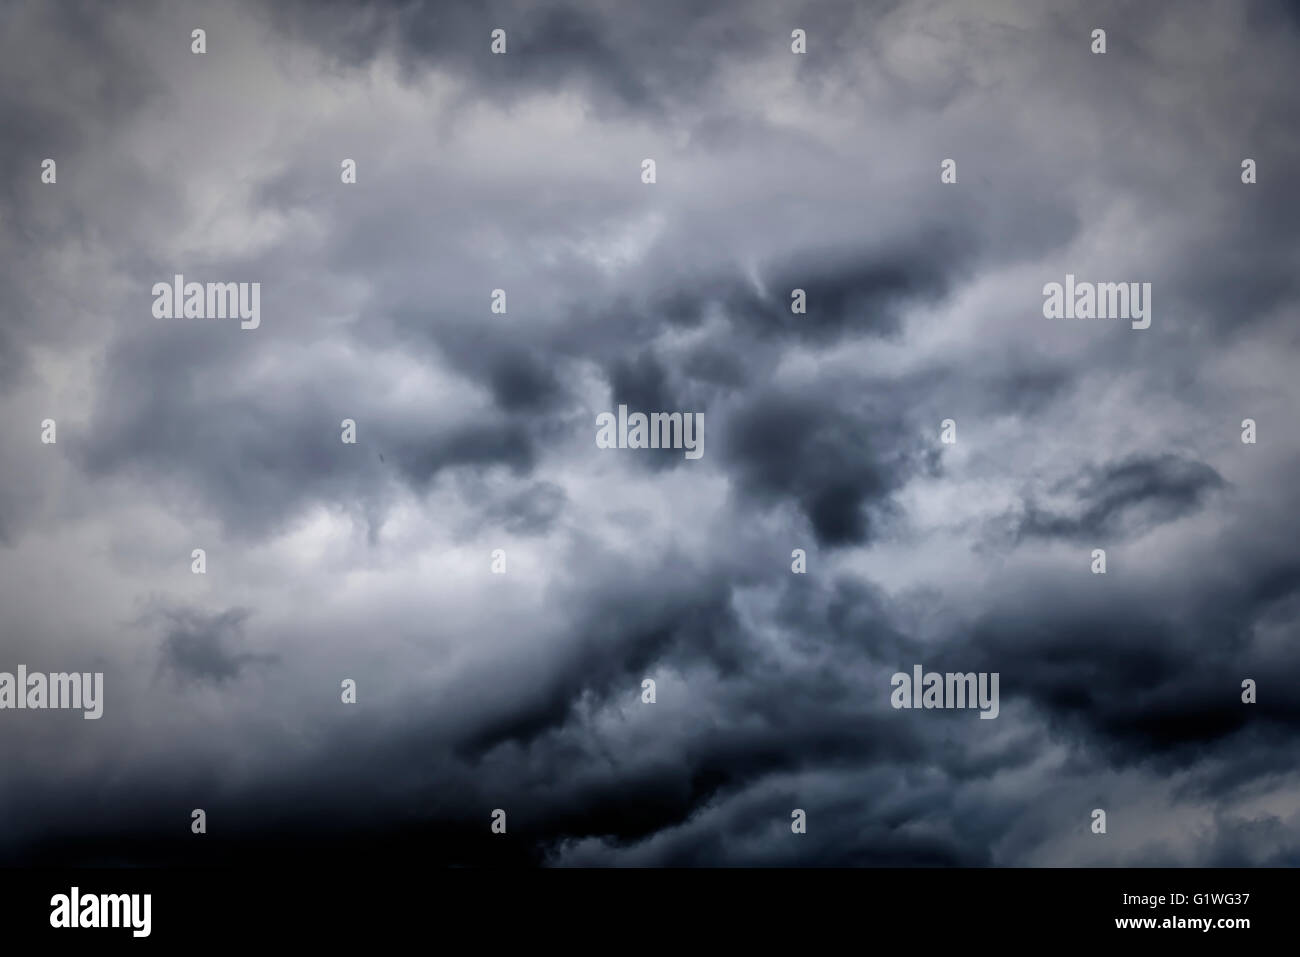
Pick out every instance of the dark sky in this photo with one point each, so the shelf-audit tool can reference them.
(476, 431)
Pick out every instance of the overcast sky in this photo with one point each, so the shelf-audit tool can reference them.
(475, 431)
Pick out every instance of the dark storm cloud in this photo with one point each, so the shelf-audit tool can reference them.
(520, 367)
(837, 465)
(257, 456)
(847, 293)
(716, 364)
(1268, 841)
(772, 719)
(617, 638)
(200, 646)
(530, 511)
(505, 444)
(751, 828)
(1139, 677)
(773, 687)
(1125, 499)
(40, 120)
(641, 383)
(621, 58)
(520, 381)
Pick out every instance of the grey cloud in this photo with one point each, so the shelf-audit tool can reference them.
(203, 647)
(1125, 499)
(838, 466)
(819, 173)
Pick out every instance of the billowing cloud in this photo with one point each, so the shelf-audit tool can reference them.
(476, 444)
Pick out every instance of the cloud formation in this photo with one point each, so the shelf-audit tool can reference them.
(475, 432)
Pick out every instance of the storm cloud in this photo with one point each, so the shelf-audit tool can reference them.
(521, 687)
